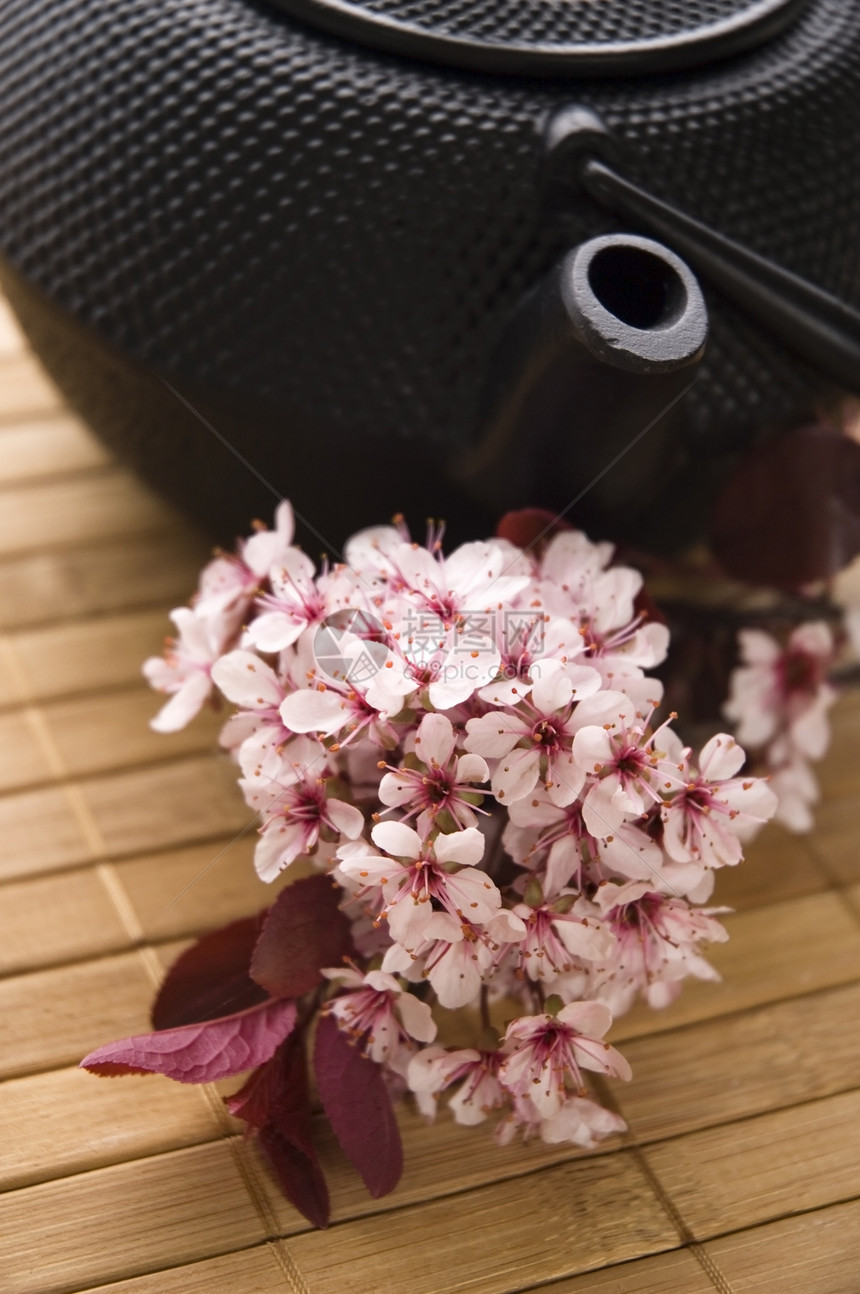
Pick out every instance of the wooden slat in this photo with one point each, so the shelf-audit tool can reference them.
(51, 920)
(125, 1220)
(47, 447)
(115, 1119)
(252, 1271)
(158, 570)
(760, 964)
(22, 758)
(745, 1096)
(88, 655)
(11, 338)
(107, 506)
(429, 1152)
(777, 866)
(676, 1272)
(835, 839)
(729, 1178)
(839, 771)
(25, 389)
(9, 690)
(97, 733)
(150, 808)
(727, 1069)
(40, 833)
(542, 1227)
(195, 888)
(816, 1254)
(54, 1017)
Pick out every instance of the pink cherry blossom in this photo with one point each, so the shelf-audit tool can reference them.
(376, 1010)
(657, 940)
(463, 746)
(438, 782)
(300, 807)
(533, 741)
(257, 734)
(582, 1122)
(783, 689)
(559, 937)
(554, 841)
(475, 1072)
(544, 1053)
(414, 874)
(614, 745)
(185, 671)
(455, 955)
(709, 808)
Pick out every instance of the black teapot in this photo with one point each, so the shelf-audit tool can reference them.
(435, 257)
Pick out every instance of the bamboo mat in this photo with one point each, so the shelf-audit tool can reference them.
(740, 1170)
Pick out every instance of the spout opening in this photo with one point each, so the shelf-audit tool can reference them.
(641, 289)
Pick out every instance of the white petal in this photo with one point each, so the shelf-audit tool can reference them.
(247, 681)
(721, 757)
(516, 775)
(310, 710)
(493, 735)
(416, 1017)
(397, 839)
(472, 768)
(434, 740)
(184, 704)
(346, 817)
(465, 847)
(592, 1019)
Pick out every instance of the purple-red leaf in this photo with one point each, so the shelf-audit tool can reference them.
(211, 979)
(530, 528)
(276, 1100)
(790, 513)
(304, 931)
(200, 1053)
(299, 1175)
(356, 1100)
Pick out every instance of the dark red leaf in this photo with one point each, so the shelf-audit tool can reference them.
(254, 1098)
(356, 1100)
(211, 979)
(299, 1175)
(200, 1053)
(531, 528)
(304, 931)
(790, 513)
(277, 1100)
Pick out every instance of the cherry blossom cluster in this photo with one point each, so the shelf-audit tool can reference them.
(471, 747)
(778, 701)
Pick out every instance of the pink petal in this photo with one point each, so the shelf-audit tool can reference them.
(184, 704)
(310, 710)
(416, 1017)
(493, 735)
(516, 776)
(346, 817)
(247, 681)
(590, 1018)
(397, 839)
(434, 740)
(460, 847)
(721, 757)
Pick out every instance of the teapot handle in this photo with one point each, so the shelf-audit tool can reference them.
(818, 327)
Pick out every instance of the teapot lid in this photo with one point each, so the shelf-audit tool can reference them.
(555, 37)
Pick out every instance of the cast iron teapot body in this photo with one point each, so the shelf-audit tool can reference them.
(235, 234)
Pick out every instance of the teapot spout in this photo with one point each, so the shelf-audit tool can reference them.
(581, 394)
